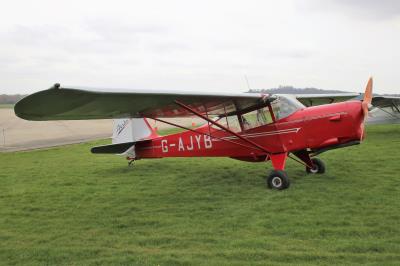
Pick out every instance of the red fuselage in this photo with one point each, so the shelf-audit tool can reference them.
(311, 128)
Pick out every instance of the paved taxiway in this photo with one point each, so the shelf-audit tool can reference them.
(17, 134)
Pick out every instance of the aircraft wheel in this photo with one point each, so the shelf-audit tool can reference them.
(319, 167)
(278, 180)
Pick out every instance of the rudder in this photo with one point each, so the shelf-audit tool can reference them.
(132, 130)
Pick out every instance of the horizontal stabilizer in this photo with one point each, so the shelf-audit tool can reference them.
(113, 148)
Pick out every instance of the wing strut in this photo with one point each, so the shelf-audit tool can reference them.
(221, 126)
(389, 113)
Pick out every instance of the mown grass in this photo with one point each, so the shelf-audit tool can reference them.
(67, 206)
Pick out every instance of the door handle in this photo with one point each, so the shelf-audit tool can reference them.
(335, 118)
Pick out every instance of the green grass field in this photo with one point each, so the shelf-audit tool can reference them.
(67, 206)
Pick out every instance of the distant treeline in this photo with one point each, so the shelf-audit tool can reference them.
(10, 99)
(292, 90)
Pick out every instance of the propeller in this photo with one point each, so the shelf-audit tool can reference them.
(366, 105)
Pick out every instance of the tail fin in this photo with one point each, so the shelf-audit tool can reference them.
(131, 130)
(127, 132)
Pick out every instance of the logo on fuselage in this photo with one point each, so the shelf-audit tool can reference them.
(121, 126)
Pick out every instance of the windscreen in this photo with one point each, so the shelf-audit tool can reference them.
(284, 106)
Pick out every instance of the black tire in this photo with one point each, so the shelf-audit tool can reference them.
(319, 167)
(278, 180)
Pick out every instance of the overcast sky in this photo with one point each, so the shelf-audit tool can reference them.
(200, 45)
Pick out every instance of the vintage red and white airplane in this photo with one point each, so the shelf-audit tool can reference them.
(248, 127)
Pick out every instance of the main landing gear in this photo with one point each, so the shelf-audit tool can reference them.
(278, 178)
(318, 167)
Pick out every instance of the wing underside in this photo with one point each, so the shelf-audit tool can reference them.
(58, 103)
(319, 99)
(387, 102)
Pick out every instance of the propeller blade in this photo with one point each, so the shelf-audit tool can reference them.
(368, 91)
(362, 132)
(366, 103)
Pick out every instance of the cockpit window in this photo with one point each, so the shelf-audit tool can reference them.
(284, 106)
(256, 118)
(230, 122)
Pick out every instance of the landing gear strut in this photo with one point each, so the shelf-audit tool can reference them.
(278, 179)
(313, 165)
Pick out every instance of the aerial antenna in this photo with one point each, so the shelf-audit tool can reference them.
(247, 82)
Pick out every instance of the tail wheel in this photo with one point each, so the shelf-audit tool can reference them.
(319, 167)
(278, 180)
